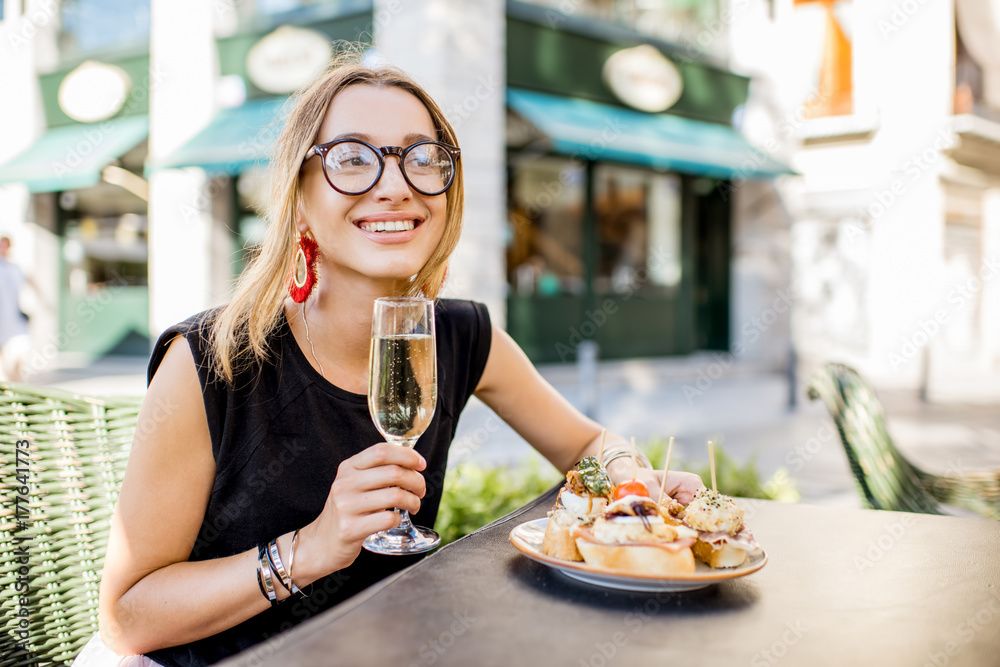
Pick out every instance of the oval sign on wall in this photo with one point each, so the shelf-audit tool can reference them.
(288, 59)
(93, 91)
(643, 78)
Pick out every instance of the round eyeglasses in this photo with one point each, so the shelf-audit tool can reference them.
(353, 167)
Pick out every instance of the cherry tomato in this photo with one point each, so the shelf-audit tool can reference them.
(631, 488)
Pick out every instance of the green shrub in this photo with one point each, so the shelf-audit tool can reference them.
(473, 495)
(732, 479)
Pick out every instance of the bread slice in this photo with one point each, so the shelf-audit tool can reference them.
(643, 559)
(558, 542)
(721, 555)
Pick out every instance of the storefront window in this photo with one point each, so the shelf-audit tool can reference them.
(545, 224)
(89, 25)
(824, 28)
(639, 230)
(685, 22)
(104, 298)
(968, 81)
(106, 252)
(278, 6)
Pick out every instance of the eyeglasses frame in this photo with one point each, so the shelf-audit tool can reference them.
(381, 153)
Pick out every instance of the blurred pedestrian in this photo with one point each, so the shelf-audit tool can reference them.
(14, 339)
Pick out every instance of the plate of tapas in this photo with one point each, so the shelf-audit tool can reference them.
(620, 537)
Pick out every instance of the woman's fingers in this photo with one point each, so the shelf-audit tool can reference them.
(681, 486)
(356, 529)
(383, 454)
(380, 478)
(378, 500)
(389, 476)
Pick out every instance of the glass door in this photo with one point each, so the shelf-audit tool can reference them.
(545, 256)
(638, 272)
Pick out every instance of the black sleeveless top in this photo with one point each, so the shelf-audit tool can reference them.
(279, 432)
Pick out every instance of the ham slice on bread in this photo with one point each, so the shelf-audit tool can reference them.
(723, 539)
(633, 537)
(661, 559)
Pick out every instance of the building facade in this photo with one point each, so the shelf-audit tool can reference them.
(891, 112)
(610, 195)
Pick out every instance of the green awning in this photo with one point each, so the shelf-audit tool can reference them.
(603, 132)
(72, 157)
(235, 139)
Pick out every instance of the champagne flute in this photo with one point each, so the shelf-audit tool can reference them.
(402, 397)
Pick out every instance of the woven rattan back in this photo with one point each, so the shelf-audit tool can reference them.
(886, 480)
(62, 459)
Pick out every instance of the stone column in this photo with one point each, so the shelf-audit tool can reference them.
(26, 40)
(456, 50)
(989, 269)
(183, 70)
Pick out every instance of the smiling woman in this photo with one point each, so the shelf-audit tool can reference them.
(245, 504)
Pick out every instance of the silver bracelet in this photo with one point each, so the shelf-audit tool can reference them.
(275, 557)
(615, 452)
(266, 576)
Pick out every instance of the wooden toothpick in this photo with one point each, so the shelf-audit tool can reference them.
(666, 469)
(711, 464)
(600, 452)
(635, 463)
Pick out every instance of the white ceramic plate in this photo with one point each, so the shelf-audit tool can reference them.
(527, 538)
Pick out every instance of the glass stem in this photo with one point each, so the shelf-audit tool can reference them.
(404, 527)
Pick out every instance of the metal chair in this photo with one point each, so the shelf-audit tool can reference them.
(886, 479)
(57, 505)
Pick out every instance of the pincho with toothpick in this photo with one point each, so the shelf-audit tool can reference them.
(723, 538)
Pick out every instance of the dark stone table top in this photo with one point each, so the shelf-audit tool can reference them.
(842, 587)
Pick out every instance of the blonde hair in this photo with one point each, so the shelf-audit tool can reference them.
(240, 331)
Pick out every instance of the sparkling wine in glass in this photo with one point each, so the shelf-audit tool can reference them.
(402, 397)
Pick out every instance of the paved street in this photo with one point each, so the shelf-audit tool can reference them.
(744, 409)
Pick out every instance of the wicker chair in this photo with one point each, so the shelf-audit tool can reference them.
(886, 479)
(78, 449)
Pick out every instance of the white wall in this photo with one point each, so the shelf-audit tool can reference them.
(459, 58)
(864, 283)
(184, 69)
(25, 43)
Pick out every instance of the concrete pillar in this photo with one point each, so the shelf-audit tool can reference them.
(25, 42)
(183, 71)
(39, 255)
(990, 267)
(21, 120)
(456, 50)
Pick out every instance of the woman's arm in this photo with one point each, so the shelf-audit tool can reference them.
(514, 389)
(151, 595)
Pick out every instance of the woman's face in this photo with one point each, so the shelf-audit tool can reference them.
(342, 224)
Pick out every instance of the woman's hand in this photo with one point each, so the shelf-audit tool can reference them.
(681, 486)
(382, 477)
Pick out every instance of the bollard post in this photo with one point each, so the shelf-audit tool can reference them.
(586, 363)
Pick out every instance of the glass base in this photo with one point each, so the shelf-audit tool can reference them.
(396, 542)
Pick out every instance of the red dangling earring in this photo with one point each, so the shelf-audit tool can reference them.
(303, 275)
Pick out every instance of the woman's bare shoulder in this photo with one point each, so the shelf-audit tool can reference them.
(173, 405)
